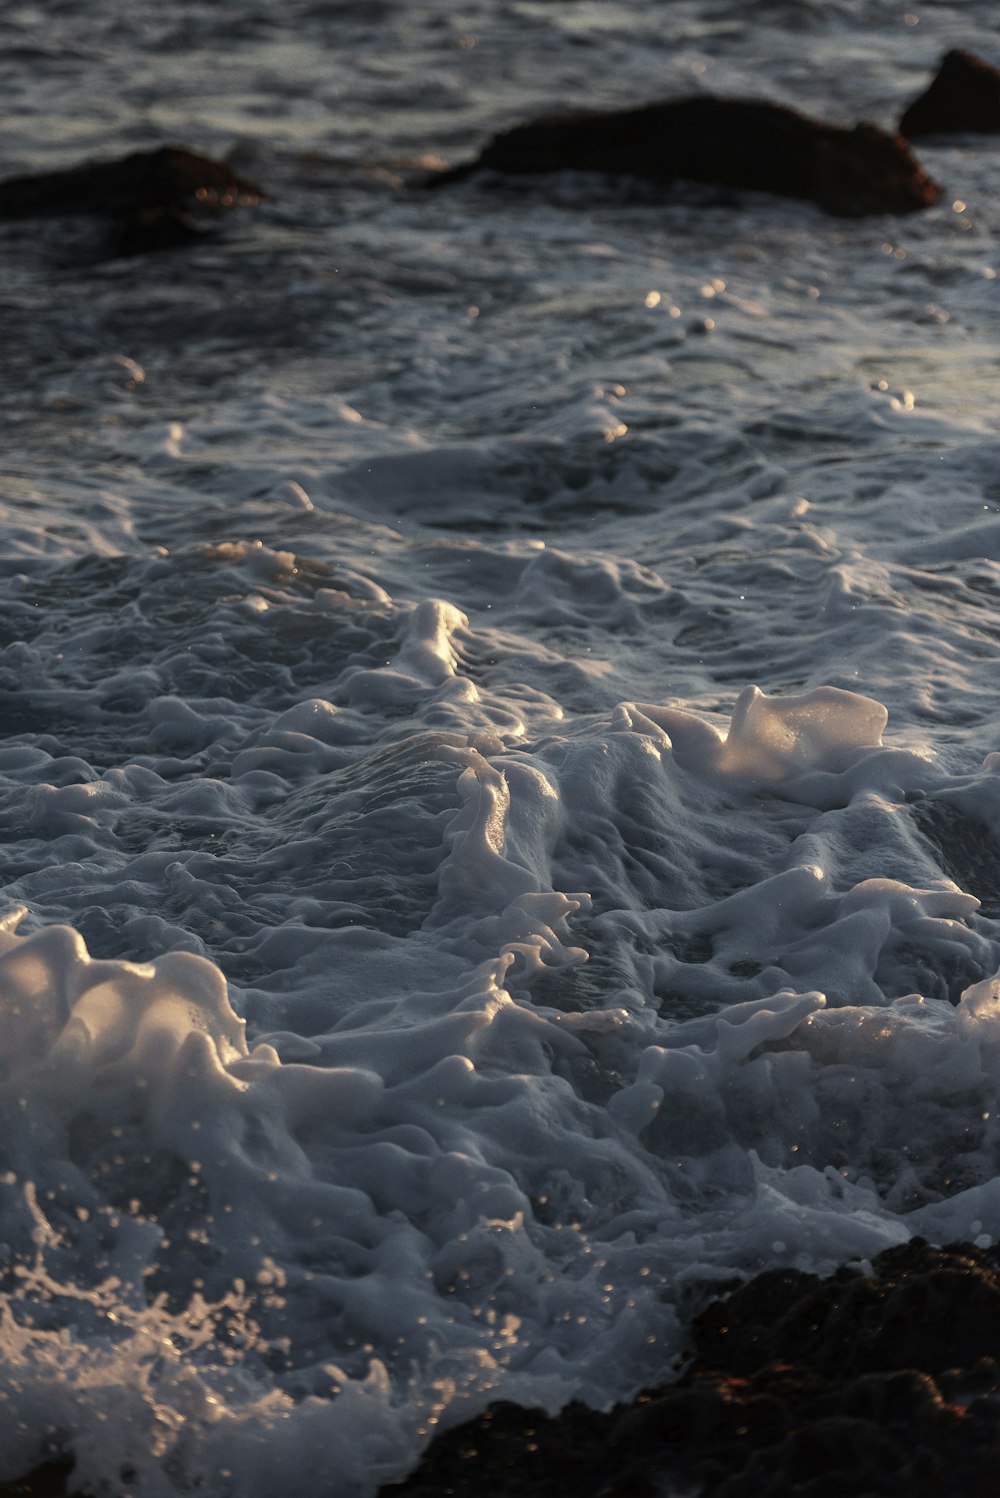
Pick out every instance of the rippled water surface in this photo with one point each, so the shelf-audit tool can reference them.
(499, 743)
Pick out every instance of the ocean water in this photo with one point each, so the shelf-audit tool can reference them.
(499, 730)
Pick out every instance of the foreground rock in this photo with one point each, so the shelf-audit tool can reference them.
(727, 142)
(857, 1386)
(149, 199)
(880, 1384)
(963, 97)
(47, 1481)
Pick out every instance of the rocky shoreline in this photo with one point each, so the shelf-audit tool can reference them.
(881, 1382)
(875, 1382)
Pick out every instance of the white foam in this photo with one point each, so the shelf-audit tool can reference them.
(442, 964)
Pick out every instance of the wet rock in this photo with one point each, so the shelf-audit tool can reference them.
(144, 181)
(730, 143)
(871, 1384)
(862, 1385)
(47, 1481)
(964, 96)
(926, 1308)
(150, 200)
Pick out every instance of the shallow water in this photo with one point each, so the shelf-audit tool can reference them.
(500, 751)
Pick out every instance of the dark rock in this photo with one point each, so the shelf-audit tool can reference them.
(150, 200)
(964, 96)
(854, 1385)
(731, 143)
(927, 1308)
(144, 181)
(47, 1481)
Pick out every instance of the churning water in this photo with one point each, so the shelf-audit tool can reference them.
(464, 895)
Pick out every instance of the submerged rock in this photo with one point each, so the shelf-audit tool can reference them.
(151, 199)
(964, 96)
(732, 143)
(876, 1384)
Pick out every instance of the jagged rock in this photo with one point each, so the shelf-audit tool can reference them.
(880, 1385)
(963, 96)
(859, 1384)
(927, 1308)
(151, 199)
(732, 143)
